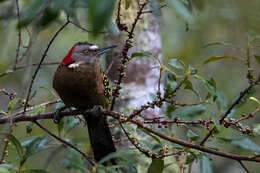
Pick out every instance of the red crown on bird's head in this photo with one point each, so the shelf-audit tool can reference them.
(68, 59)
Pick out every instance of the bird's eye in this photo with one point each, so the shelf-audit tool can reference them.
(86, 52)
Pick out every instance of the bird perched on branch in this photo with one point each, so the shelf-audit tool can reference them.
(81, 83)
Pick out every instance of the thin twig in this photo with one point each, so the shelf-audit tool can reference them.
(41, 61)
(157, 101)
(19, 36)
(151, 11)
(124, 52)
(28, 46)
(6, 143)
(243, 166)
(65, 142)
(83, 29)
(26, 66)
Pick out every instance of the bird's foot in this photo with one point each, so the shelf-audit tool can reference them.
(57, 117)
(96, 110)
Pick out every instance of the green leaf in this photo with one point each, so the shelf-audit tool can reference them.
(31, 12)
(127, 4)
(192, 70)
(213, 44)
(11, 105)
(60, 126)
(156, 166)
(2, 112)
(257, 58)
(29, 127)
(199, 5)
(36, 171)
(33, 145)
(217, 58)
(153, 136)
(221, 101)
(245, 143)
(252, 36)
(99, 13)
(171, 77)
(48, 17)
(244, 99)
(209, 84)
(18, 146)
(4, 169)
(170, 111)
(192, 135)
(181, 8)
(37, 110)
(51, 91)
(205, 164)
(171, 83)
(70, 123)
(254, 99)
(189, 112)
(189, 86)
(73, 159)
(136, 54)
(256, 130)
(175, 63)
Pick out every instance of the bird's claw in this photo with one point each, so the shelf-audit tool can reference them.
(96, 110)
(57, 117)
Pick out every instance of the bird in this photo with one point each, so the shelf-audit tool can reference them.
(81, 83)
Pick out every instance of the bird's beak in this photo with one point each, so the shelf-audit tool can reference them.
(105, 49)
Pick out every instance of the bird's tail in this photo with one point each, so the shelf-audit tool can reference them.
(100, 137)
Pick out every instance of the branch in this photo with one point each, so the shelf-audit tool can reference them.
(123, 117)
(221, 120)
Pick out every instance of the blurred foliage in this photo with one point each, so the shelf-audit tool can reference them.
(212, 36)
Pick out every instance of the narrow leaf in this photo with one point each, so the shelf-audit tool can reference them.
(192, 135)
(153, 136)
(37, 110)
(30, 12)
(156, 166)
(257, 58)
(2, 112)
(18, 146)
(50, 91)
(175, 63)
(205, 164)
(256, 130)
(217, 58)
(189, 112)
(136, 54)
(127, 4)
(245, 143)
(189, 86)
(33, 145)
(254, 99)
(212, 44)
(221, 101)
(99, 13)
(209, 84)
(11, 105)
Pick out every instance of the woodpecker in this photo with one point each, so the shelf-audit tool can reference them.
(81, 83)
